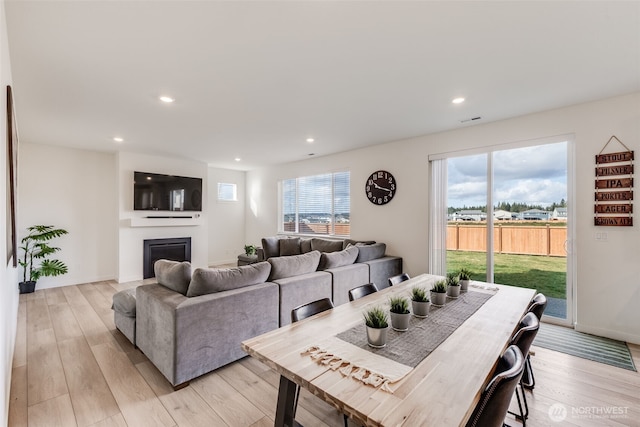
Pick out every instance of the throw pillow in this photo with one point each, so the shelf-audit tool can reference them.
(338, 259)
(305, 246)
(294, 265)
(290, 246)
(325, 245)
(270, 246)
(209, 280)
(370, 252)
(348, 242)
(173, 274)
(124, 302)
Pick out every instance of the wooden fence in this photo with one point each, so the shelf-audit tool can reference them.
(318, 228)
(507, 239)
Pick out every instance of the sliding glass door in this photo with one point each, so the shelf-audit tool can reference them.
(507, 218)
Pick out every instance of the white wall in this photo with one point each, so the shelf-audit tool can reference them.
(402, 224)
(10, 277)
(226, 219)
(71, 189)
(130, 238)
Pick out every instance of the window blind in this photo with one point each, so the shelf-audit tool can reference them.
(317, 204)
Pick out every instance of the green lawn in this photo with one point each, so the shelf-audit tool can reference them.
(546, 274)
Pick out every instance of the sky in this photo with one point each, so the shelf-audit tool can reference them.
(533, 175)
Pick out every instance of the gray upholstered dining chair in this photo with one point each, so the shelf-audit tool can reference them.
(362, 291)
(524, 336)
(398, 279)
(307, 310)
(496, 397)
(537, 306)
(302, 312)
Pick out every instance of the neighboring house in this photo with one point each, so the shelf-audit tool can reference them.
(559, 214)
(534, 215)
(469, 215)
(502, 215)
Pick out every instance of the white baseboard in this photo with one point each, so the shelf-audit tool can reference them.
(226, 261)
(65, 281)
(607, 333)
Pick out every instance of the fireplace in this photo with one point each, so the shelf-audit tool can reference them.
(177, 249)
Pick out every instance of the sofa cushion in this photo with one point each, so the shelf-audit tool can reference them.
(210, 280)
(339, 258)
(289, 246)
(271, 246)
(369, 252)
(294, 265)
(305, 246)
(325, 245)
(124, 302)
(348, 242)
(173, 274)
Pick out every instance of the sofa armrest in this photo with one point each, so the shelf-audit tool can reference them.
(380, 269)
(187, 337)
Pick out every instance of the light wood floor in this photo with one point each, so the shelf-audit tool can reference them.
(73, 368)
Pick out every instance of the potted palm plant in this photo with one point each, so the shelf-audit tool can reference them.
(36, 248)
(420, 303)
(453, 285)
(465, 276)
(377, 325)
(439, 293)
(400, 314)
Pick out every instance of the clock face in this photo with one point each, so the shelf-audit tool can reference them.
(380, 187)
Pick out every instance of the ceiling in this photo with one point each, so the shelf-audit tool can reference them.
(254, 80)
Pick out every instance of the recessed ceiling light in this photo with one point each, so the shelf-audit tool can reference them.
(310, 140)
(458, 100)
(118, 139)
(167, 99)
(237, 159)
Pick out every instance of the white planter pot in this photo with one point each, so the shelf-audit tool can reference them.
(420, 308)
(377, 337)
(400, 321)
(453, 291)
(464, 285)
(438, 299)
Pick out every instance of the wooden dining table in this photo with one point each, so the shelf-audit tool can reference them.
(442, 390)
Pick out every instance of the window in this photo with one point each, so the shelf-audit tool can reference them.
(227, 192)
(318, 204)
(503, 213)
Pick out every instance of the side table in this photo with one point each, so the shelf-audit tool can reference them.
(247, 259)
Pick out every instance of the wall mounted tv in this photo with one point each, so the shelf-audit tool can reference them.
(157, 192)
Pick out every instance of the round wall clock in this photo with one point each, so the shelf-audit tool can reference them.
(380, 187)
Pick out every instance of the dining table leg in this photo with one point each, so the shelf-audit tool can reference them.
(286, 400)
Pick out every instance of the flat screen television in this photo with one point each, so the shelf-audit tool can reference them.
(157, 192)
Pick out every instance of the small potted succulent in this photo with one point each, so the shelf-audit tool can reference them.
(400, 314)
(249, 250)
(453, 285)
(377, 324)
(420, 303)
(439, 293)
(465, 276)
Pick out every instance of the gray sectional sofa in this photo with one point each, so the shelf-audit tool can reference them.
(190, 323)
(342, 265)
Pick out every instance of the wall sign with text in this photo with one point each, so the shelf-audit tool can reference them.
(614, 188)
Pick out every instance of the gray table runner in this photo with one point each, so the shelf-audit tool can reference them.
(424, 335)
